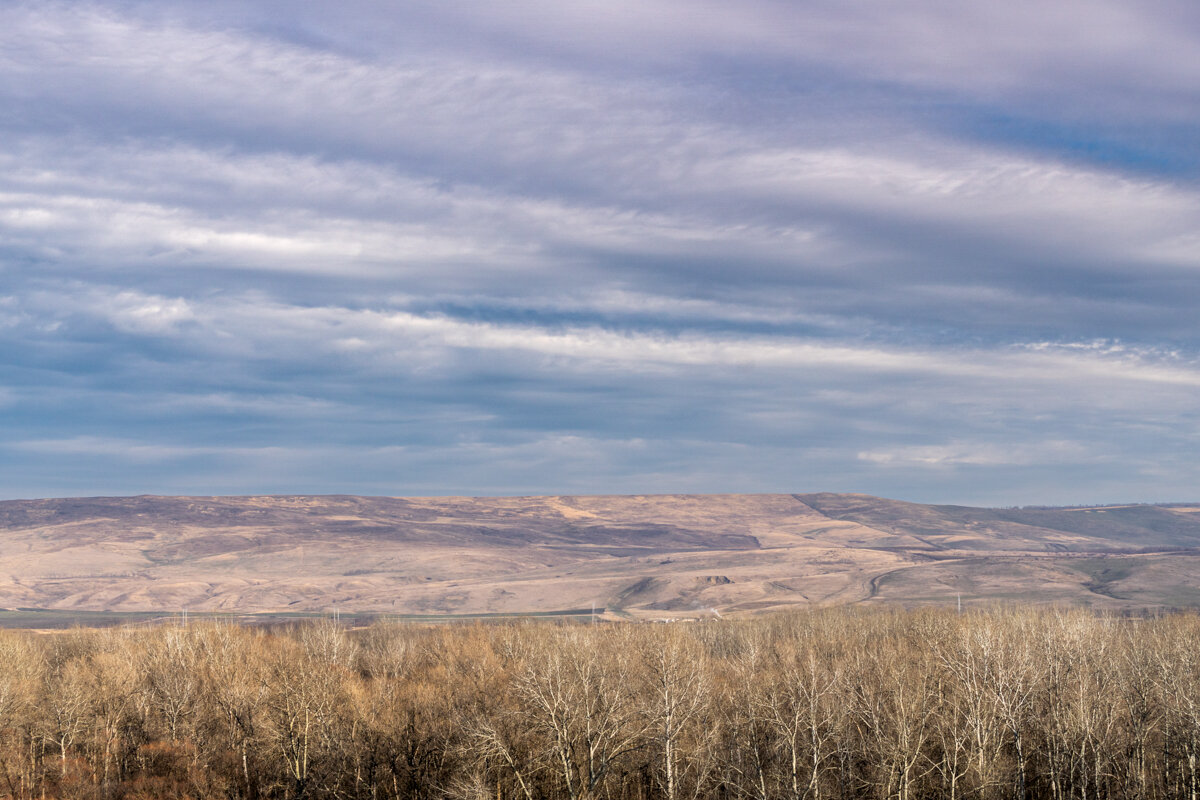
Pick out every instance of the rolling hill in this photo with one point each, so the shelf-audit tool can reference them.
(633, 556)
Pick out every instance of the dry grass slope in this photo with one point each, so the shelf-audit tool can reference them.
(635, 556)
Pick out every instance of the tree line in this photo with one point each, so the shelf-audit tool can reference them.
(824, 704)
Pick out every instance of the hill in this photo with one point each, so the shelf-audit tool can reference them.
(641, 556)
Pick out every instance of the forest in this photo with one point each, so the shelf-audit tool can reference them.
(1001, 703)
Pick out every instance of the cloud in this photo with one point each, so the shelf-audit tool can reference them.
(985, 454)
(233, 326)
(600, 247)
(133, 312)
(116, 449)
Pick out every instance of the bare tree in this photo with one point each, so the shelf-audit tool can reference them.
(237, 684)
(897, 698)
(1176, 652)
(305, 698)
(21, 667)
(677, 696)
(578, 698)
(750, 752)
(806, 706)
(170, 668)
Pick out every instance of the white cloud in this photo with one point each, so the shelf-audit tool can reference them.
(981, 454)
(521, 241)
(117, 232)
(117, 449)
(87, 212)
(236, 325)
(485, 167)
(997, 196)
(134, 312)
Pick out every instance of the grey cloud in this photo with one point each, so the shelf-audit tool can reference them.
(635, 247)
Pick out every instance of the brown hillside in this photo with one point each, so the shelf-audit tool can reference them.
(645, 556)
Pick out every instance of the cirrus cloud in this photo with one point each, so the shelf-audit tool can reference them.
(939, 252)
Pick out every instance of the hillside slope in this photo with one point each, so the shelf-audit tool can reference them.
(668, 555)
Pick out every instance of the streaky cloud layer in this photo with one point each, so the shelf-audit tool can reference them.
(937, 252)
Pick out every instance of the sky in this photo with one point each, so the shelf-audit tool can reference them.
(936, 251)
